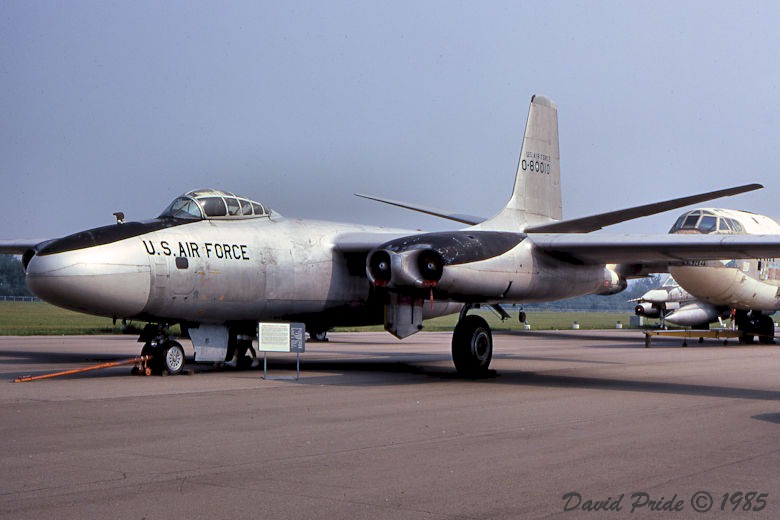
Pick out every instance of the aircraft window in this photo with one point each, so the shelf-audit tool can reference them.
(690, 221)
(232, 206)
(259, 210)
(184, 208)
(708, 224)
(736, 226)
(723, 225)
(214, 206)
(677, 225)
(209, 203)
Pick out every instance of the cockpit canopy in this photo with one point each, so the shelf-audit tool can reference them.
(214, 204)
(705, 222)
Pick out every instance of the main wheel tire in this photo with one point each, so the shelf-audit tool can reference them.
(766, 330)
(472, 346)
(318, 335)
(173, 357)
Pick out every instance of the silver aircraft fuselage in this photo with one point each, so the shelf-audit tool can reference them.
(214, 271)
(208, 271)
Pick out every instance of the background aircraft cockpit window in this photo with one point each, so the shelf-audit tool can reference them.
(213, 206)
(702, 221)
(678, 224)
(233, 207)
(690, 221)
(246, 207)
(736, 226)
(707, 224)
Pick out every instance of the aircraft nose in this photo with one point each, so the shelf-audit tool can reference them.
(94, 280)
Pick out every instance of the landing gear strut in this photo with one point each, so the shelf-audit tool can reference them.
(472, 346)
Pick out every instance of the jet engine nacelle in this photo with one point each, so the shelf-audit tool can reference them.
(417, 268)
(613, 283)
(419, 261)
(648, 310)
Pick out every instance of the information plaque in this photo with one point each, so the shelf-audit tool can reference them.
(281, 337)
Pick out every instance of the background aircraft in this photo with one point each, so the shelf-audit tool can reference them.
(218, 263)
(747, 289)
(749, 286)
(671, 303)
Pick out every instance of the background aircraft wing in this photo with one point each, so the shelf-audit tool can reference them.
(653, 249)
(18, 247)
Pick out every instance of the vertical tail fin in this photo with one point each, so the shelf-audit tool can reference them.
(537, 193)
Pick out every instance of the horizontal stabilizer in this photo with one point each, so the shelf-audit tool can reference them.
(596, 222)
(457, 217)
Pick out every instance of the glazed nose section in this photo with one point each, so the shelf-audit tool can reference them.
(94, 280)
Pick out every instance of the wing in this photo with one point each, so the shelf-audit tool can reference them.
(583, 224)
(660, 250)
(596, 222)
(18, 247)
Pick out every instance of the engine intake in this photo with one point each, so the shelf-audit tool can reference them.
(378, 268)
(417, 268)
(431, 266)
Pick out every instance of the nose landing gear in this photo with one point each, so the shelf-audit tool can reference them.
(167, 355)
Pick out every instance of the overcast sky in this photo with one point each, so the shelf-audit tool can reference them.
(108, 106)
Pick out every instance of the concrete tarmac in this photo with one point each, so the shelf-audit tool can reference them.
(382, 429)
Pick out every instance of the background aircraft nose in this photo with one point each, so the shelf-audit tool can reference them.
(92, 280)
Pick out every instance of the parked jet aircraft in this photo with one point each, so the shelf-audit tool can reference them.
(750, 287)
(217, 263)
(673, 304)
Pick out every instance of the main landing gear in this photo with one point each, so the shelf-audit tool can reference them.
(318, 335)
(754, 323)
(167, 354)
(472, 345)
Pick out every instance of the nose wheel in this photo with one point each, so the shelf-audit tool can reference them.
(167, 358)
(173, 357)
